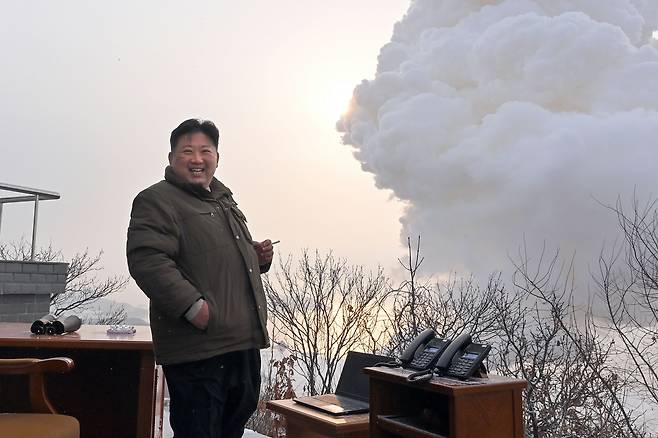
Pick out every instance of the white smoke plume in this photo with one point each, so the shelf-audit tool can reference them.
(499, 120)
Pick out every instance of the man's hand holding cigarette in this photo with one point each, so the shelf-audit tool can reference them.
(265, 251)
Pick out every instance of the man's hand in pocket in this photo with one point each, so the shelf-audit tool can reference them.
(200, 321)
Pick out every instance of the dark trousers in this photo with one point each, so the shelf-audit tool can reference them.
(213, 398)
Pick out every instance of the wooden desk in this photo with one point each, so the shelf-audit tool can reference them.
(115, 389)
(309, 423)
(444, 408)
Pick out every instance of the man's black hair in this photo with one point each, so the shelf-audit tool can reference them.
(191, 126)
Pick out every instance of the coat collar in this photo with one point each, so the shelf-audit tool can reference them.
(217, 189)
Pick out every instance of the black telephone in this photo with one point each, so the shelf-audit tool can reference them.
(423, 352)
(468, 360)
(460, 358)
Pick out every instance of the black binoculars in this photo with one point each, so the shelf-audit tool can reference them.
(49, 325)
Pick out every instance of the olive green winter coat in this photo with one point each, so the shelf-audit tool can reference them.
(185, 243)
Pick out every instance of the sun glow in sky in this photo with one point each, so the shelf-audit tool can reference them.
(331, 98)
(275, 76)
(276, 95)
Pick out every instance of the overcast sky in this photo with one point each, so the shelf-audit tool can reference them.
(478, 124)
(90, 92)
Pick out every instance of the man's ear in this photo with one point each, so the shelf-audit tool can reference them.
(169, 157)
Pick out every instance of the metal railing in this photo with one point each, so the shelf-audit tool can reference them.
(31, 195)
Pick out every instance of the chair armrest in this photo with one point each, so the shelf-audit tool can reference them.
(36, 368)
(29, 366)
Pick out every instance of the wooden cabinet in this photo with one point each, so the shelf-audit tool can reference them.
(115, 389)
(444, 408)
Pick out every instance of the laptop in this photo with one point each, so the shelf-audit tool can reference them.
(353, 391)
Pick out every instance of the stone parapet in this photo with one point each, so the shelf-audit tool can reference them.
(26, 287)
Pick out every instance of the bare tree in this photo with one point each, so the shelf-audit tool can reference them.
(116, 314)
(321, 306)
(628, 285)
(537, 334)
(277, 384)
(573, 386)
(21, 250)
(450, 307)
(84, 286)
(587, 376)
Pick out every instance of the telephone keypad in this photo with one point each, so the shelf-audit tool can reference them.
(460, 367)
(424, 360)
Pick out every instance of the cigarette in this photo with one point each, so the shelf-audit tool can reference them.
(275, 242)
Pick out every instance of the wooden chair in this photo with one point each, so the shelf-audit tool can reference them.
(44, 421)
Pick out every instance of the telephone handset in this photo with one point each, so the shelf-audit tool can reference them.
(444, 361)
(421, 340)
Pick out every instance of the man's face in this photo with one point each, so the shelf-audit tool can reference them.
(194, 159)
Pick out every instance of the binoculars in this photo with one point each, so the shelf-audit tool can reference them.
(49, 325)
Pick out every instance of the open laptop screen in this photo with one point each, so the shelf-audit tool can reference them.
(353, 381)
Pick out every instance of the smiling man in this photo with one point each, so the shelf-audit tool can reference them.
(191, 253)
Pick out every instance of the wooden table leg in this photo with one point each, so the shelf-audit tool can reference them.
(145, 404)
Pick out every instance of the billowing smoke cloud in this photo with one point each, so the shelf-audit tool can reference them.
(497, 121)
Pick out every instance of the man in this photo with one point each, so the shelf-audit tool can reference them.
(190, 251)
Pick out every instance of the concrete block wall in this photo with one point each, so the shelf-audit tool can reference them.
(25, 288)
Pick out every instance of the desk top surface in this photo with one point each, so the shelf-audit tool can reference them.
(339, 423)
(447, 385)
(17, 334)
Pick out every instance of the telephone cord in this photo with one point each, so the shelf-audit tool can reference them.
(420, 376)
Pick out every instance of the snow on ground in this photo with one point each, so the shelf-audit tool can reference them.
(168, 433)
